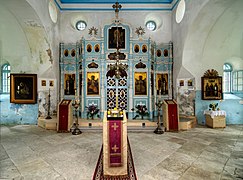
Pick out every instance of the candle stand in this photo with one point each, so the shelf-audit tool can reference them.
(49, 106)
(75, 128)
(159, 130)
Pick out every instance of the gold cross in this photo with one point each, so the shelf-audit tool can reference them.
(114, 126)
(114, 148)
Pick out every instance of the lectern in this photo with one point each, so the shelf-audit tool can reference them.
(64, 116)
(170, 115)
(115, 143)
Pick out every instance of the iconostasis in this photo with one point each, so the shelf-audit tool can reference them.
(87, 72)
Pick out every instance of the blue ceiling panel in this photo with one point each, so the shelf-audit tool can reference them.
(113, 1)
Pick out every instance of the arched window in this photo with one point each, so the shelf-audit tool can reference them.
(6, 78)
(227, 78)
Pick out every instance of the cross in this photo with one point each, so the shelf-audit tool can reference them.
(114, 148)
(116, 6)
(114, 126)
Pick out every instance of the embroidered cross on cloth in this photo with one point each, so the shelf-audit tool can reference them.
(115, 143)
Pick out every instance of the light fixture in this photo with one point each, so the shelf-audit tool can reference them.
(118, 68)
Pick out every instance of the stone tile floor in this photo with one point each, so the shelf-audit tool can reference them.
(30, 152)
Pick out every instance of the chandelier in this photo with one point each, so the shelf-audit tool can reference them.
(118, 69)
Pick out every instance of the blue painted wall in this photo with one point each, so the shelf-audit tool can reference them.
(234, 110)
(17, 113)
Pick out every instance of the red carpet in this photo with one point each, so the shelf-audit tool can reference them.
(98, 174)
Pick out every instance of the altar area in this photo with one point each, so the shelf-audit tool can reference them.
(145, 125)
(97, 125)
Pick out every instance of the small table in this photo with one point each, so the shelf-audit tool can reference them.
(215, 119)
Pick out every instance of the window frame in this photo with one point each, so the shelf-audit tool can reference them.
(235, 81)
(5, 78)
(227, 69)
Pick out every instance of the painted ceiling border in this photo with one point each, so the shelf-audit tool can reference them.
(121, 2)
(107, 7)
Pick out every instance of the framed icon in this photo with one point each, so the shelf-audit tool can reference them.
(69, 84)
(140, 80)
(51, 83)
(116, 38)
(23, 88)
(43, 82)
(93, 79)
(162, 84)
(212, 88)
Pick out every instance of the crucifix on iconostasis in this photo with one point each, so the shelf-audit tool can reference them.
(117, 6)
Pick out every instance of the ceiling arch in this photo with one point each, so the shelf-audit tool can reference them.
(213, 38)
(23, 36)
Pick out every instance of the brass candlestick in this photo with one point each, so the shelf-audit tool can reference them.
(159, 130)
(49, 106)
(75, 128)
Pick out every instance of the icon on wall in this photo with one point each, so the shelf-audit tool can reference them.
(69, 84)
(162, 84)
(23, 88)
(211, 85)
(182, 82)
(51, 83)
(43, 82)
(212, 88)
(92, 83)
(116, 38)
(140, 79)
(189, 82)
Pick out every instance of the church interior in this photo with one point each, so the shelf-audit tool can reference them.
(149, 89)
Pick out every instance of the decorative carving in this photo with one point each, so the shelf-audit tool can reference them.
(93, 65)
(118, 70)
(211, 73)
(140, 65)
(140, 31)
(115, 56)
(93, 31)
